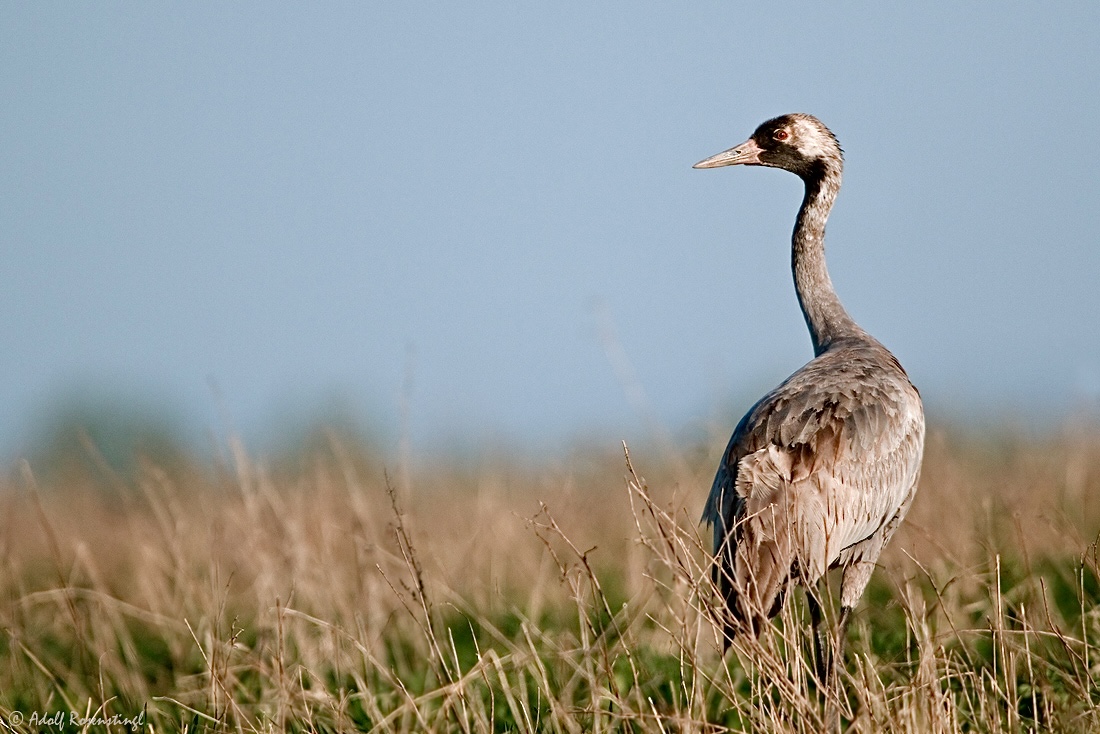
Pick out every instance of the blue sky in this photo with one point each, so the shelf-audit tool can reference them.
(242, 212)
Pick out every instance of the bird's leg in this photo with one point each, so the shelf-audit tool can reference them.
(826, 653)
(842, 633)
(821, 650)
(829, 680)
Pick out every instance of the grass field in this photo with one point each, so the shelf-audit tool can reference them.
(337, 593)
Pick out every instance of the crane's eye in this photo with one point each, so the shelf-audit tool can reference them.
(781, 134)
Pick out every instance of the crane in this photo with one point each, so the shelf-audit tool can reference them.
(821, 471)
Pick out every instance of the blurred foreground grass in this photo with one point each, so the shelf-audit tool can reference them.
(561, 597)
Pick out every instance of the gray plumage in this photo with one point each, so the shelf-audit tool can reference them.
(822, 470)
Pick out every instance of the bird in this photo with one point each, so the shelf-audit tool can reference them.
(821, 471)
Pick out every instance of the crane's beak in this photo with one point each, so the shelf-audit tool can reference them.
(746, 154)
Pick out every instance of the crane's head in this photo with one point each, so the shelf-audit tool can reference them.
(798, 143)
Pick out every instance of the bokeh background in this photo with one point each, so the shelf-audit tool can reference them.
(456, 225)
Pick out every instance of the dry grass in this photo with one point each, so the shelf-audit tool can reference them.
(563, 598)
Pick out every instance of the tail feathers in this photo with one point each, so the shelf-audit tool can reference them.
(752, 592)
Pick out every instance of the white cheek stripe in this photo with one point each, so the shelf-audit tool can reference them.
(809, 140)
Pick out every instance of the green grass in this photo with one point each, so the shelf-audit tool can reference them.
(556, 598)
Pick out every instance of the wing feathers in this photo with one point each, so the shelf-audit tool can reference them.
(822, 464)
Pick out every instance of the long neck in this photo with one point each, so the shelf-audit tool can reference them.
(825, 316)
